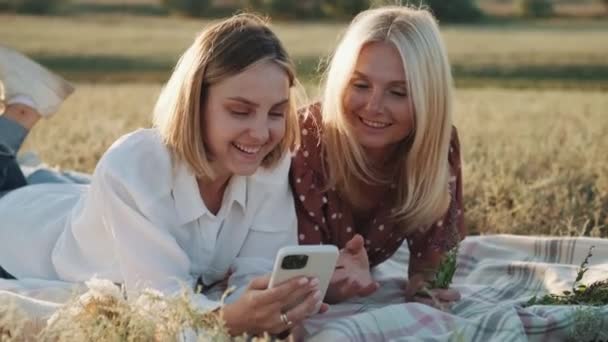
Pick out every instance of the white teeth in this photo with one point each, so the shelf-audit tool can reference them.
(249, 150)
(375, 124)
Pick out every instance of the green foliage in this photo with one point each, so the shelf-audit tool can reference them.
(536, 8)
(309, 9)
(595, 294)
(343, 8)
(29, 6)
(454, 10)
(447, 268)
(190, 8)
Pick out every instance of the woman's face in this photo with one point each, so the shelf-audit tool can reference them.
(376, 102)
(245, 117)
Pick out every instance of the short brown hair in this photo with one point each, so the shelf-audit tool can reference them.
(222, 50)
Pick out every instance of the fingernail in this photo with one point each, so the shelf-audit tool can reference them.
(317, 295)
(303, 281)
(314, 282)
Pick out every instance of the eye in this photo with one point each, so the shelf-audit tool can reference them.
(399, 93)
(276, 115)
(360, 85)
(238, 113)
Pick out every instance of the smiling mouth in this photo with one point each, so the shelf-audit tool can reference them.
(251, 150)
(374, 124)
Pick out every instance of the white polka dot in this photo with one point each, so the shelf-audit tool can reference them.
(349, 229)
(323, 219)
(299, 180)
(377, 249)
(333, 216)
(316, 227)
(367, 242)
(324, 199)
(304, 131)
(381, 227)
(440, 223)
(451, 150)
(458, 212)
(418, 255)
(311, 214)
(374, 221)
(305, 154)
(339, 215)
(302, 237)
(302, 198)
(312, 186)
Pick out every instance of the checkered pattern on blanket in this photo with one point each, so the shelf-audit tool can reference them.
(496, 276)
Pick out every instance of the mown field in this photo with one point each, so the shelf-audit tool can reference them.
(565, 53)
(531, 105)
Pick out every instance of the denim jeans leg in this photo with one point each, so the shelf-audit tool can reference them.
(11, 137)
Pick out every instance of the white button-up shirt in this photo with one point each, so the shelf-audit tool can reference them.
(143, 223)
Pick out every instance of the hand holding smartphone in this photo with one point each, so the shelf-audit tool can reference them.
(313, 261)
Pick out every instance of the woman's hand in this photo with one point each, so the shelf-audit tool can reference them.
(259, 309)
(416, 290)
(352, 276)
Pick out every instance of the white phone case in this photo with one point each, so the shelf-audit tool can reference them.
(321, 264)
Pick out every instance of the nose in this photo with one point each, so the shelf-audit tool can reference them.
(374, 102)
(260, 130)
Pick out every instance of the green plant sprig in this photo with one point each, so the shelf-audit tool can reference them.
(595, 294)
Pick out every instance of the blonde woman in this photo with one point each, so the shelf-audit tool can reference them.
(379, 162)
(178, 203)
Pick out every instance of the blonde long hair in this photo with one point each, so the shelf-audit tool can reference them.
(220, 51)
(422, 174)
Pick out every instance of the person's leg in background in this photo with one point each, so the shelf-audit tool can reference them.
(15, 123)
(28, 92)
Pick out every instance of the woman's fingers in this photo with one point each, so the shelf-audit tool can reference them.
(369, 289)
(259, 283)
(446, 295)
(354, 245)
(287, 290)
(306, 308)
(414, 284)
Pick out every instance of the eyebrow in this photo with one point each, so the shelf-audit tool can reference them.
(395, 82)
(253, 104)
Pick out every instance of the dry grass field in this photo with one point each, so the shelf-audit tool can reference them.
(557, 53)
(531, 104)
(535, 160)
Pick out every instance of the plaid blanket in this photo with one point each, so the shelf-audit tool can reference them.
(496, 275)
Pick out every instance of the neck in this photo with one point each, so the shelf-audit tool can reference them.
(212, 191)
(382, 160)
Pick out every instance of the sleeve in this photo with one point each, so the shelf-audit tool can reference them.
(428, 249)
(147, 254)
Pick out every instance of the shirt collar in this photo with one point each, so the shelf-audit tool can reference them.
(188, 201)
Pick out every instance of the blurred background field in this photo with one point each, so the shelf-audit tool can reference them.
(532, 96)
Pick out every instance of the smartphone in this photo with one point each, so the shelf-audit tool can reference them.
(318, 261)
